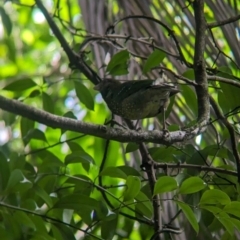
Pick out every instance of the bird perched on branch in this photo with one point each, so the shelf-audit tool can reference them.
(136, 99)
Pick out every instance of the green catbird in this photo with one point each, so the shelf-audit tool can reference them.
(136, 99)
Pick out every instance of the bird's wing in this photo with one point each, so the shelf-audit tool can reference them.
(131, 87)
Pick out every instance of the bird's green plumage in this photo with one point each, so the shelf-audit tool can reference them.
(135, 99)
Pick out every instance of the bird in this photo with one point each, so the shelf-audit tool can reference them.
(136, 99)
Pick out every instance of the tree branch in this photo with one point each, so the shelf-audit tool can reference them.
(118, 134)
(224, 22)
(199, 63)
(194, 166)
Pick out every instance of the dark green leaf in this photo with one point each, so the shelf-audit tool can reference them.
(154, 59)
(20, 85)
(190, 98)
(165, 184)
(77, 202)
(48, 104)
(17, 182)
(131, 147)
(118, 61)
(189, 74)
(44, 195)
(34, 93)
(34, 134)
(4, 172)
(192, 185)
(6, 21)
(23, 219)
(108, 229)
(84, 95)
(26, 125)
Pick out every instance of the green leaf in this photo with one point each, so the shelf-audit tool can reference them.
(4, 171)
(79, 157)
(34, 93)
(44, 195)
(113, 172)
(17, 182)
(190, 98)
(189, 74)
(119, 70)
(233, 208)
(129, 170)
(226, 221)
(84, 95)
(34, 134)
(214, 196)
(6, 21)
(23, 219)
(154, 59)
(26, 125)
(77, 202)
(165, 184)
(189, 215)
(192, 185)
(108, 229)
(212, 209)
(144, 205)
(20, 85)
(119, 63)
(131, 147)
(133, 187)
(48, 104)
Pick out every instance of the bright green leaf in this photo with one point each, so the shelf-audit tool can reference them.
(154, 59)
(192, 185)
(113, 172)
(165, 184)
(188, 212)
(144, 205)
(133, 187)
(214, 196)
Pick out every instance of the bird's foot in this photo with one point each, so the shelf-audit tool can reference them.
(112, 122)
